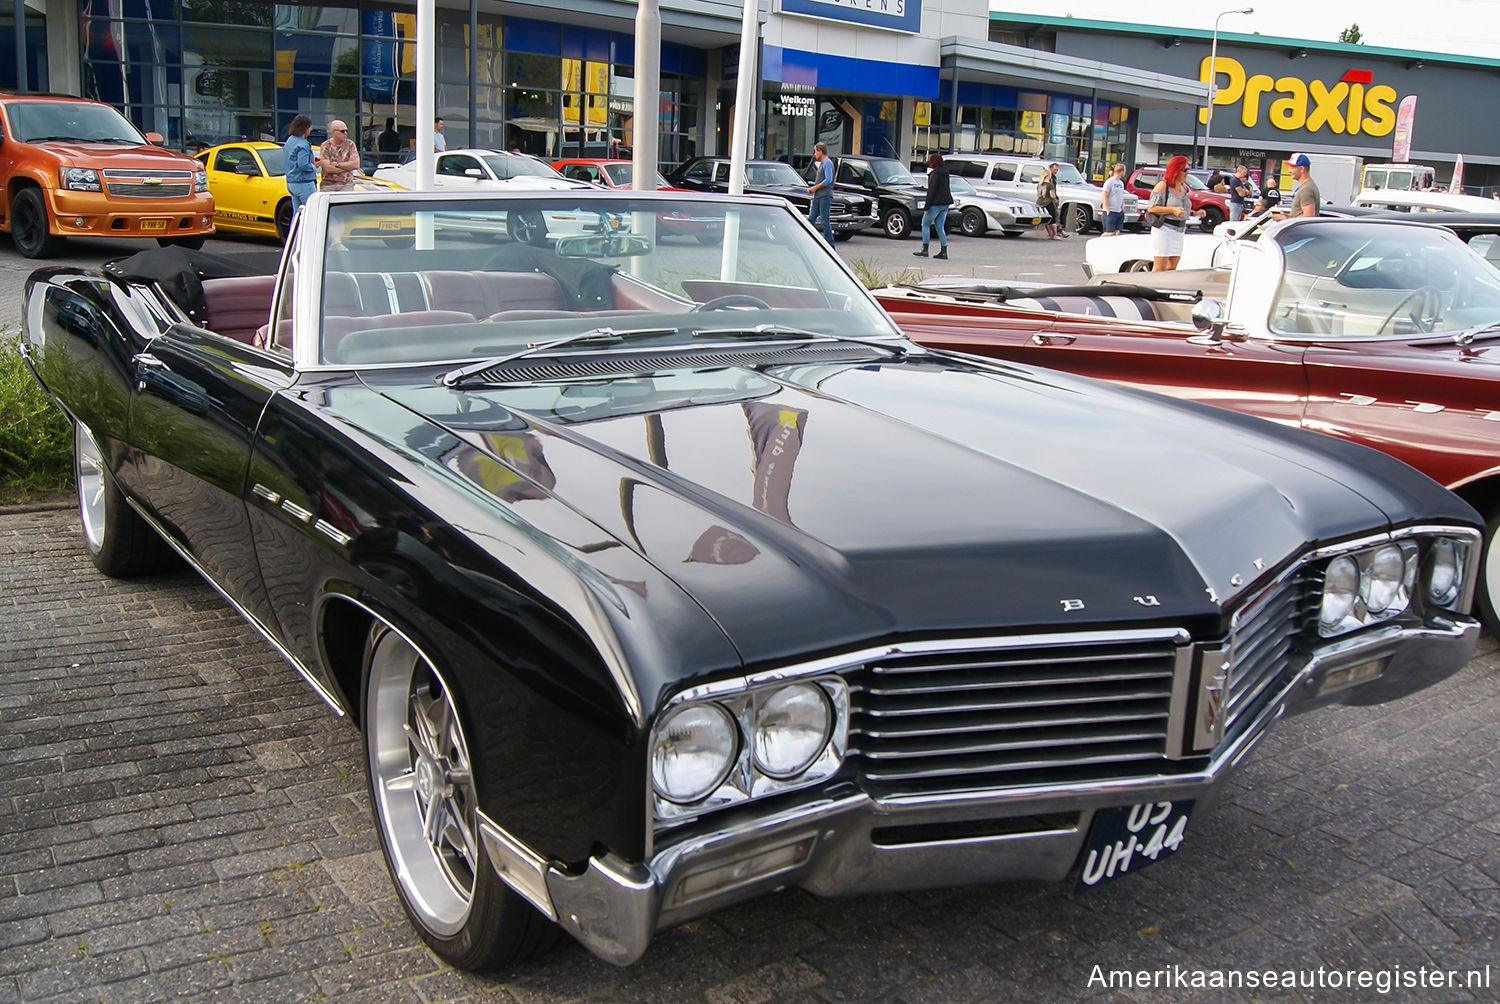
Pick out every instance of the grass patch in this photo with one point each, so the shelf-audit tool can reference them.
(36, 444)
(873, 276)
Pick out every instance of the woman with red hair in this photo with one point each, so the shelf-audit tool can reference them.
(1169, 209)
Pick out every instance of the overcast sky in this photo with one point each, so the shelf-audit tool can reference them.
(1468, 27)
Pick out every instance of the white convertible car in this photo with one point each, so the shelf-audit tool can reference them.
(1132, 252)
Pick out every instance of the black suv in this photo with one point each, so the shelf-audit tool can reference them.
(851, 213)
(900, 197)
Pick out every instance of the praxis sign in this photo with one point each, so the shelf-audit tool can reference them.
(1351, 105)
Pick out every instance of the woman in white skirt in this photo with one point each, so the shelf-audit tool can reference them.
(1169, 208)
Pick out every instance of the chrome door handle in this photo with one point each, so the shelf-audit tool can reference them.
(1044, 338)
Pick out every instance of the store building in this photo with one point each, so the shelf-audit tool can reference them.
(882, 77)
(1277, 96)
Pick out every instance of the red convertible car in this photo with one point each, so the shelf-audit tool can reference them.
(1382, 332)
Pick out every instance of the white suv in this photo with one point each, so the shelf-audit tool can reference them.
(1002, 174)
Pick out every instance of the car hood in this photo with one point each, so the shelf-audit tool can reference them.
(119, 156)
(798, 193)
(818, 507)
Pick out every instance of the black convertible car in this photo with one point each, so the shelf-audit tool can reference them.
(660, 577)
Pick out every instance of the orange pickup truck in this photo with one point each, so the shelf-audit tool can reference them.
(77, 168)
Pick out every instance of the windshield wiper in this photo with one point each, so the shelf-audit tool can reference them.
(897, 349)
(606, 335)
(1468, 335)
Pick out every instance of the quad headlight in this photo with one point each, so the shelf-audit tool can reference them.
(732, 742)
(79, 179)
(1378, 583)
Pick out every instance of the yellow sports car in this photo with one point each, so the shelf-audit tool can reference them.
(248, 183)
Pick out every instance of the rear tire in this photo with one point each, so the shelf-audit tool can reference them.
(30, 226)
(423, 794)
(1079, 218)
(1212, 217)
(283, 219)
(119, 542)
(1137, 266)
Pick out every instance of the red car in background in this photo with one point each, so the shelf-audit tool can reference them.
(1379, 331)
(1215, 205)
(621, 174)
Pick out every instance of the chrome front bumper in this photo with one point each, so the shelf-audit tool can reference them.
(852, 843)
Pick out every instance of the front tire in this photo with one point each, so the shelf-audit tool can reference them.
(426, 814)
(1487, 597)
(971, 223)
(1137, 266)
(1080, 219)
(30, 227)
(119, 542)
(527, 227)
(1212, 217)
(896, 223)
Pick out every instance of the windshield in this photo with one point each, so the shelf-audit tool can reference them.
(37, 121)
(1067, 174)
(773, 174)
(892, 172)
(513, 166)
(1359, 279)
(474, 278)
(1196, 184)
(623, 175)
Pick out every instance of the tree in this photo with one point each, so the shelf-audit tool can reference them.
(1350, 34)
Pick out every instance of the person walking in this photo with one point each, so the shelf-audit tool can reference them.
(820, 209)
(339, 158)
(1113, 201)
(1239, 192)
(297, 155)
(939, 199)
(1169, 207)
(388, 143)
(1046, 197)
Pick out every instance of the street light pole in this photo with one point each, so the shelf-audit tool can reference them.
(1213, 79)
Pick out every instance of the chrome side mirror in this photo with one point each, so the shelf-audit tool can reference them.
(1208, 317)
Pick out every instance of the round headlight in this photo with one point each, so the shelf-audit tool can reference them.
(694, 751)
(1444, 573)
(1383, 578)
(1340, 587)
(792, 726)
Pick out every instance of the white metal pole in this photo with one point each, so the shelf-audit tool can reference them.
(645, 152)
(1213, 79)
(426, 113)
(744, 99)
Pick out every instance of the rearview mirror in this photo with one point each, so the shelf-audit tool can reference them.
(603, 246)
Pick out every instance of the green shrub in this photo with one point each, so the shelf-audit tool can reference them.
(36, 444)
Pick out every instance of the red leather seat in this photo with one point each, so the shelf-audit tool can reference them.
(486, 293)
(237, 306)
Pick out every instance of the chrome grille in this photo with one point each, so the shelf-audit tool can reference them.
(1264, 635)
(148, 184)
(1041, 712)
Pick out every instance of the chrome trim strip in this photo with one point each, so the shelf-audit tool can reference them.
(254, 621)
(833, 664)
(517, 865)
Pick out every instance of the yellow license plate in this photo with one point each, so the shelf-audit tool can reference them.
(153, 224)
(391, 225)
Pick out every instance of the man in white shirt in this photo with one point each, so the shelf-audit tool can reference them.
(439, 142)
(1113, 202)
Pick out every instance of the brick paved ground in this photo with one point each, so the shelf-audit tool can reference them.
(180, 817)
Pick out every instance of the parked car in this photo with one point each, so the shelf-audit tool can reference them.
(974, 213)
(620, 174)
(1377, 331)
(899, 196)
(78, 168)
(248, 183)
(660, 579)
(851, 213)
(477, 170)
(1005, 175)
(1215, 205)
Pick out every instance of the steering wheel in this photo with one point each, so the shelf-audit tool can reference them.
(741, 301)
(1428, 301)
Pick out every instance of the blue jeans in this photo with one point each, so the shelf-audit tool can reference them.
(1236, 210)
(820, 211)
(300, 193)
(935, 216)
(1114, 222)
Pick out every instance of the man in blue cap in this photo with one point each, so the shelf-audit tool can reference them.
(1306, 199)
